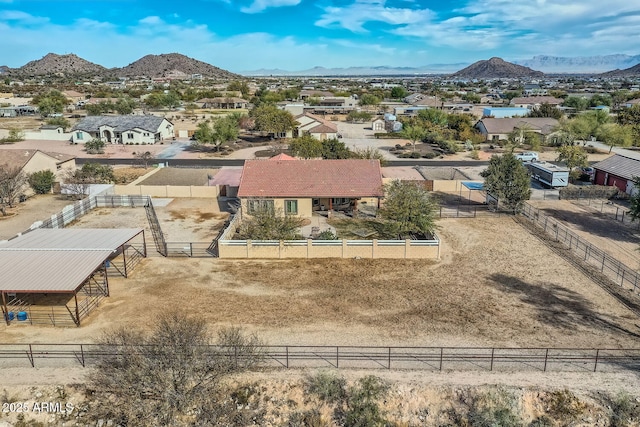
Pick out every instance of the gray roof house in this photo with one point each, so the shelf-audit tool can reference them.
(129, 129)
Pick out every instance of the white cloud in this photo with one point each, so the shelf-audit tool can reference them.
(151, 20)
(262, 5)
(356, 15)
(21, 17)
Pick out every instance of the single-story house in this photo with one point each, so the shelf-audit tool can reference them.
(319, 128)
(224, 103)
(617, 171)
(495, 129)
(123, 129)
(30, 161)
(535, 101)
(300, 187)
(504, 112)
(630, 103)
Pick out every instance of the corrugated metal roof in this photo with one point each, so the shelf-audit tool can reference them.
(57, 260)
(72, 239)
(47, 271)
(622, 166)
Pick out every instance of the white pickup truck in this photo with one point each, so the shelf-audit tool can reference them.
(527, 156)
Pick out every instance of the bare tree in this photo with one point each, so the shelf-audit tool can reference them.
(169, 377)
(13, 182)
(143, 158)
(76, 184)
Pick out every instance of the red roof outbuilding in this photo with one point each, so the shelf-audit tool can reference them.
(311, 178)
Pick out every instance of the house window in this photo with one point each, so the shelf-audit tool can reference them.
(130, 135)
(291, 207)
(254, 205)
(79, 135)
(340, 201)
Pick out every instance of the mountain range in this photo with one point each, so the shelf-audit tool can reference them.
(496, 68)
(617, 65)
(150, 66)
(546, 64)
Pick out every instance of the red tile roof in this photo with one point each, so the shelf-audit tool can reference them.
(311, 178)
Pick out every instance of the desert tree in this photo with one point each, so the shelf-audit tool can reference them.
(507, 179)
(143, 158)
(634, 200)
(414, 133)
(77, 182)
(573, 156)
(51, 102)
(171, 376)
(546, 110)
(218, 132)
(333, 148)
(268, 118)
(306, 147)
(369, 153)
(408, 209)
(13, 182)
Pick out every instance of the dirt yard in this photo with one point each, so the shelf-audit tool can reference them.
(489, 289)
(600, 229)
(182, 220)
(36, 208)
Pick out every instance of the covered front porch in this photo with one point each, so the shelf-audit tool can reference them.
(349, 206)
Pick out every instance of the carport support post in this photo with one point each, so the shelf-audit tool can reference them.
(124, 259)
(144, 244)
(4, 305)
(75, 297)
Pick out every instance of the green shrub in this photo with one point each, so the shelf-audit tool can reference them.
(564, 405)
(327, 386)
(42, 181)
(430, 155)
(327, 235)
(624, 412)
(362, 409)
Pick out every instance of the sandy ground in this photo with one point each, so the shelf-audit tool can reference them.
(619, 240)
(36, 208)
(504, 296)
(182, 220)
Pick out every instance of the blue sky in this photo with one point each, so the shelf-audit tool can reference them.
(241, 35)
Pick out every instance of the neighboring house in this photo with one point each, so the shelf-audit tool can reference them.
(495, 129)
(504, 112)
(413, 98)
(123, 129)
(300, 187)
(535, 101)
(631, 103)
(304, 94)
(617, 171)
(223, 103)
(30, 161)
(73, 96)
(319, 128)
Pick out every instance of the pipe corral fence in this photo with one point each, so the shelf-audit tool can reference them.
(350, 357)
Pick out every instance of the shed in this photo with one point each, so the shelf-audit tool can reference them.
(617, 171)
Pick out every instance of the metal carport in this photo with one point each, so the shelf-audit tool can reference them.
(59, 262)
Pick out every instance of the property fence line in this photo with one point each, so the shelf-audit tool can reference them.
(350, 357)
(609, 209)
(72, 212)
(620, 273)
(470, 211)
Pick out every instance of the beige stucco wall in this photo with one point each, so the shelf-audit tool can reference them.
(337, 249)
(167, 191)
(304, 206)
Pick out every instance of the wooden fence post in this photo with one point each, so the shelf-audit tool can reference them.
(546, 357)
(595, 365)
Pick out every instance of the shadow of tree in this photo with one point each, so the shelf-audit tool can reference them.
(595, 223)
(558, 306)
